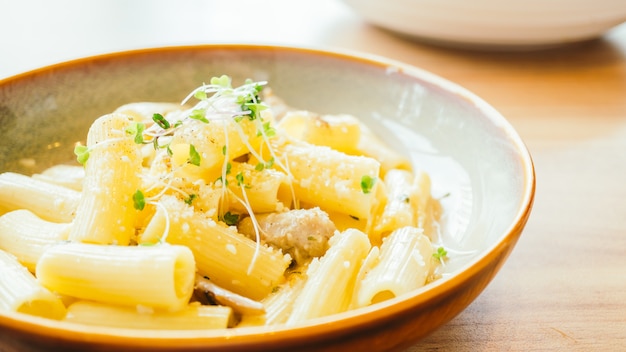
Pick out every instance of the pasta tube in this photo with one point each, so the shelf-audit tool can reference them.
(332, 180)
(230, 259)
(143, 111)
(330, 281)
(428, 209)
(50, 202)
(191, 317)
(404, 263)
(401, 204)
(160, 276)
(106, 213)
(339, 132)
(266, 190)
(215, 141)
(70, 176)
(27, 236)
(20, 291)
(278, 305)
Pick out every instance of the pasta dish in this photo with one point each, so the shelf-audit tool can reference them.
(231, 209)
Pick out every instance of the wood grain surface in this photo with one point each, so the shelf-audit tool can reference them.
(564, 286)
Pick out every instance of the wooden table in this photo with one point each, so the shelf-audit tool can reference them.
(564, 286)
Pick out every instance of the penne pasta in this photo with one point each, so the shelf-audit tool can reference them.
(50, 202)
(106, 213)
(332, 180)
(27, 236)
(228, 258)
(278, 305)
(331, 279)
(20, 292)
(339, 132)
(266, 190)
(159, 276)
(190, 317)
(70, 176)
(404, 263)
(400, 205)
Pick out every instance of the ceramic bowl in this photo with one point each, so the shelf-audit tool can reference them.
(488, 24)
(472, 153)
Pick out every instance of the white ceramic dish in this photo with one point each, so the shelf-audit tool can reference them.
(469, 149)
(492, 24)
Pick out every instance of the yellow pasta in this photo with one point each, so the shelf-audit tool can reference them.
(332, 180)
(27, 236)
(143, 111)
(106, 213)
(339, 132)
(191, 317)
(403, 264)
(50, 202)
(228, 258)
(159, 276)
(267, 190)
(428, 209)
(214, 142)
(20, 291)
(400, 205)
(70, 176)
(278, 305)
(330, 281)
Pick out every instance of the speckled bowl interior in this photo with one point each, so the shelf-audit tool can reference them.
(477, 163)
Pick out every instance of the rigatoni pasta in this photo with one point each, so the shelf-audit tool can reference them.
(20, 291)
(216, 215)
(27, 236)
(160, 277)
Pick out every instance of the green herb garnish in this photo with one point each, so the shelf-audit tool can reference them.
(161, 121)
(194, 156)
(190, 199)
(139, 201)
(367, 183)
(230, 219)
(82, 154)
(136, 129)
(440, 254)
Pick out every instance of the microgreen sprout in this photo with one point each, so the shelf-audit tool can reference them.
(136, 129)
(139, 201)
(230, 219)
(194, 156)
(82, 153)
(264, 165)
(268, 130)
(161, 121)
(239, 178)
(190, 199)
(367, 183)
(440, 254)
